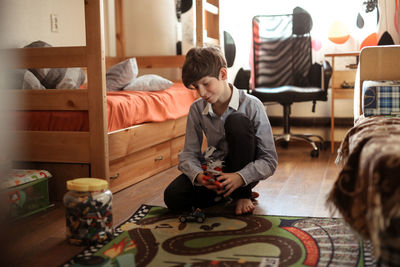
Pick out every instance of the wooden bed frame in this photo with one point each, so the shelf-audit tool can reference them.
(378, 63)
(123, 157)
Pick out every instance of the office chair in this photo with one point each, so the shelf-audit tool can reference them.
(282, 69)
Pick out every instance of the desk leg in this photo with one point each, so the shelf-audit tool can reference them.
(332, 120)
(333, 106)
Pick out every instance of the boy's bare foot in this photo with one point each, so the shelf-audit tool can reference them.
(254, 195)
(243, 206)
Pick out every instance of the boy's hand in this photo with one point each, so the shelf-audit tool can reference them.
(230, 182)
(204, 182)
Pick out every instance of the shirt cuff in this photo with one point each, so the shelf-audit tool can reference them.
(194, 180)
(244, 180)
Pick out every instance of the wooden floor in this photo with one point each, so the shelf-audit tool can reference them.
(298, 187)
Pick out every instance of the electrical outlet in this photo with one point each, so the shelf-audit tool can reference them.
(54, 22)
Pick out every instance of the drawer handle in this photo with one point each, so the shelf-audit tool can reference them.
(114, 177)
(159, 158)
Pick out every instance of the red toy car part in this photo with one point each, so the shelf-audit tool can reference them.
(212, 180)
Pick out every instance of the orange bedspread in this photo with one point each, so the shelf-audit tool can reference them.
(124, 109)
(127, 108)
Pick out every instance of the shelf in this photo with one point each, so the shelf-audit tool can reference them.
(343, 54)
(341, 76)
(340, 93)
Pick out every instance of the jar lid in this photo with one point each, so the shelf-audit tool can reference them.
(87, 184)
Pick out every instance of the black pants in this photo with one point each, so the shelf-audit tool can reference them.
(181, 195)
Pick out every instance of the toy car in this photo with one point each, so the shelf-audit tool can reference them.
(195, 216)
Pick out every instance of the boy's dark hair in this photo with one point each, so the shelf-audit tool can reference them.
(202, 61)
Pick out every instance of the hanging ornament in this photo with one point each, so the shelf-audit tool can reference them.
(360, 21)
(370, 5)
(370, 40)
(338, 33)
(316, 44)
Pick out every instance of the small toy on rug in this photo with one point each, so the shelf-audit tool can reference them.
(195, 216)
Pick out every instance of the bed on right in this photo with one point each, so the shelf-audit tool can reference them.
(367, 189)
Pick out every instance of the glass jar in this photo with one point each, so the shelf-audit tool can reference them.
(88, 210)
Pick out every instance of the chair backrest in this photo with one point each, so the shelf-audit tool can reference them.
(280, 56)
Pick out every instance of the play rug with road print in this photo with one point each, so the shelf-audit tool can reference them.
(154, 237)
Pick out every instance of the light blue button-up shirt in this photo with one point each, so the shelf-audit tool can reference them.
(202, 119)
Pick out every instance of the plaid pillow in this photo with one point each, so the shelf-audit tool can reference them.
(381, 98)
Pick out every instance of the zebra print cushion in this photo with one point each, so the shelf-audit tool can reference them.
(280, 56)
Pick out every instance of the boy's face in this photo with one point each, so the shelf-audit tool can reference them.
(210, 88)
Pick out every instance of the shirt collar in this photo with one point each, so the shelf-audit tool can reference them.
(233, 103)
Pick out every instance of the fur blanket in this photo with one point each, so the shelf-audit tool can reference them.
(367, 190)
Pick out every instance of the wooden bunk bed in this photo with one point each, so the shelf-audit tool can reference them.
(367, 190)
(123, 157)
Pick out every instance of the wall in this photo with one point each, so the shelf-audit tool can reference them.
(28, 21)
(150, 27)
(109, 28)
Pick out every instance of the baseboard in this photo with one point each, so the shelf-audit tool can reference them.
(312, 122)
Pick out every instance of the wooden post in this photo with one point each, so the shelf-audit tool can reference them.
(96, 88)
(199, 22)
(119, 28)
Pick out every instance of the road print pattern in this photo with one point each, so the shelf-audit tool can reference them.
(155, 237)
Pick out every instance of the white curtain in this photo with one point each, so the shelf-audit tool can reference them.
(341, 15)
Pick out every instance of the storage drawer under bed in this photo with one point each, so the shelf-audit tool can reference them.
(139, 165)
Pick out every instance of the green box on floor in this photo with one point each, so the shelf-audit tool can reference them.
(30, 196)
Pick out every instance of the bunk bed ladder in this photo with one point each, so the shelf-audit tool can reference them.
(207, 22)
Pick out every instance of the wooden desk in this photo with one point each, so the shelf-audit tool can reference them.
(338, 92)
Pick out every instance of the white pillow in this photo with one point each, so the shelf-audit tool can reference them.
(31, 82)
(119, 75)
(149, 82)
(73, 78)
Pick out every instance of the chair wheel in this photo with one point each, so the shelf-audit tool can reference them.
(314, 153)
(283, 144)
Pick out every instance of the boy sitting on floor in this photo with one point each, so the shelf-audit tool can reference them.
(234, 123)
